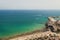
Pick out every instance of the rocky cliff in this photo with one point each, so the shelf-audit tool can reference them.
(53, 24)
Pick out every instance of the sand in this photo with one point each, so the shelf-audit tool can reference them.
(37, 36)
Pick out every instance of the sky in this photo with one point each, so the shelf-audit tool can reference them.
(29, 4)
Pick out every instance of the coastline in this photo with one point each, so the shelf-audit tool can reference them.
(34, 35)
(51, 31)
(38, 27)
(22, 35)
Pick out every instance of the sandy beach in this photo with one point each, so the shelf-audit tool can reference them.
(37, 36)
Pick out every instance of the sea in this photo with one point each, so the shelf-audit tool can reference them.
(14, 22)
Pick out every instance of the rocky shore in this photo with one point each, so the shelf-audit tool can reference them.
(50, 32)
(39, 36)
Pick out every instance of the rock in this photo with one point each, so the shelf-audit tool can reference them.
(52, 24)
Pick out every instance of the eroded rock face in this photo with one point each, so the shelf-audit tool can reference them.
(52, 24)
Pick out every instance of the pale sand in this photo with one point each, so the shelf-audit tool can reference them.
(34, 35)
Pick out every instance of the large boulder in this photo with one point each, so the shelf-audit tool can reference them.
(52, 24)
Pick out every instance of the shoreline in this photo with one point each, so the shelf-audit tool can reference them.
(16, 34)
(51, 31)
(21, 35)
(35, 35)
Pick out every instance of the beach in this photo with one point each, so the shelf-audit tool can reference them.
(36, 36)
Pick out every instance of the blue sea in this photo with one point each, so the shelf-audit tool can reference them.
(14, 22)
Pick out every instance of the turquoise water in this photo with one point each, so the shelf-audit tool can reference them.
(21, 21)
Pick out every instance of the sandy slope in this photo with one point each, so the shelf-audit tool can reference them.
(38, 36)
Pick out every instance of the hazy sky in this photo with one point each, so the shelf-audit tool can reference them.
(29, 4)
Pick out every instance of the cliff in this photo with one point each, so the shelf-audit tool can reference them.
(53, 25)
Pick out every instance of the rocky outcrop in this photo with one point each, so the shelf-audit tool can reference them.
(53, 25)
